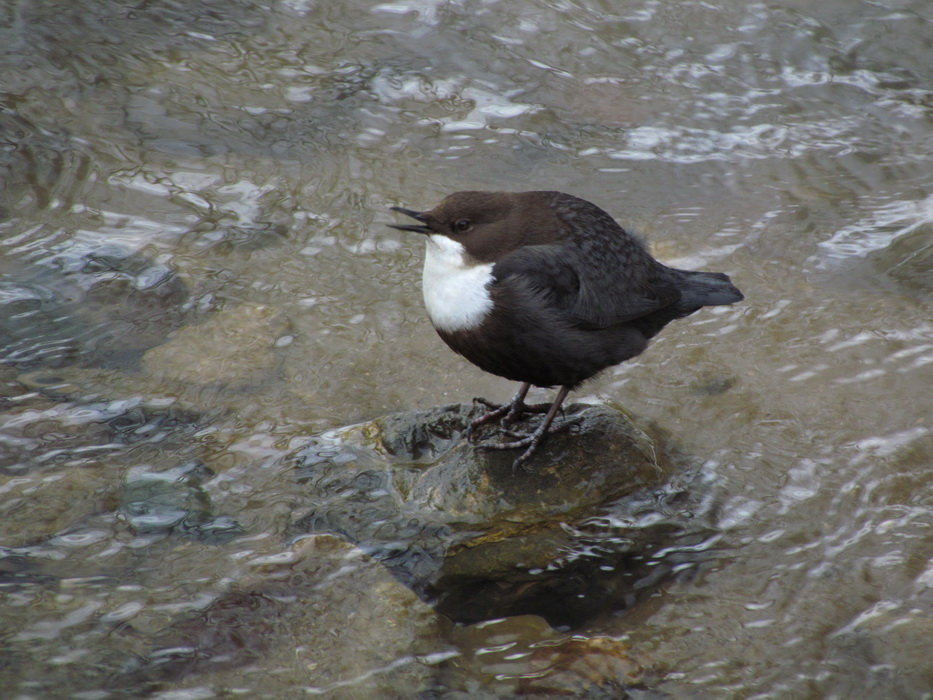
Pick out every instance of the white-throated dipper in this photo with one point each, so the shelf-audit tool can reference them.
(546, 288)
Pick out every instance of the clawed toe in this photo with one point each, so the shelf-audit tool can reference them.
(519, 437)
(511, 411)
(486, 417)
(531, 442)
(487, 403)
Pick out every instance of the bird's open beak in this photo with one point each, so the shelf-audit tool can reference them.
(411, 227)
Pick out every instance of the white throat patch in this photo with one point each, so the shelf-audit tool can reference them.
(454, 290)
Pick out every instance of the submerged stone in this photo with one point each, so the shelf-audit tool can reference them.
(323, 616)
(524, 656)
(102, 306)
(174, 500)
(235, 347)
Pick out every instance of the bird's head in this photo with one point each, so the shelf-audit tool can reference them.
(488, 225)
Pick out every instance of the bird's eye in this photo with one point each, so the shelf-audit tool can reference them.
(461, 225)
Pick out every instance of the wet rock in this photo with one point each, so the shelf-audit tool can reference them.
(479, 539)
(174, 500)
(324, 616)
(603, 456)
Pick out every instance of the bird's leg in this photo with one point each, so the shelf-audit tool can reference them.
(533, 440)
(510, 410)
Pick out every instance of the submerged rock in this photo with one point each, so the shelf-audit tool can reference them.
(891, 648)
(323, 616)
(91, 305)
(236, 347)
(524, 656)
(174, 501)
(199, 369)
(479, 539)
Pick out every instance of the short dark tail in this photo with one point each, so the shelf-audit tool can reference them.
(699, 289)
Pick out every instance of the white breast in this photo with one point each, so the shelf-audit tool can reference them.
(455, 289)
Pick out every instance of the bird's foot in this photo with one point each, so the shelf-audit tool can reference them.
(515, 413)
(508, 412)
(496, 410)
(531, 441)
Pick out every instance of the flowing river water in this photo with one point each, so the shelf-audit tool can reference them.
(196, 277)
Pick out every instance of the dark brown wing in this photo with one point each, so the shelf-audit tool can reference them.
(594, 301)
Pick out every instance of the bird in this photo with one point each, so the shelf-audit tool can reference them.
(546, 289)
